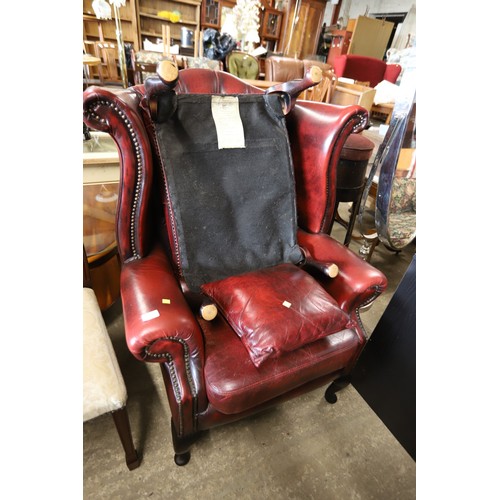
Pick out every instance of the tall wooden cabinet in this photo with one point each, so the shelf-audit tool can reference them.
(212, 12)
(271, 23)
(99, 39)
(303, 28)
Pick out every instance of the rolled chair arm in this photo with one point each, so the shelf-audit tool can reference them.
(357, 283)
(154, 308)
(160, 327)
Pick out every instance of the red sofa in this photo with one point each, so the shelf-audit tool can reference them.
(364, 68)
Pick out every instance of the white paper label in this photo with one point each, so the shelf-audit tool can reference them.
(150, 315)
(226, 115)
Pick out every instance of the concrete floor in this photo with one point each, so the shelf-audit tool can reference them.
(303, 449)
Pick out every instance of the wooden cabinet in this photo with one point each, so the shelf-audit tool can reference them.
(212, 12)
(341, 39)
(271, 19)
(303, 28)
(140, 20)
(150, 23)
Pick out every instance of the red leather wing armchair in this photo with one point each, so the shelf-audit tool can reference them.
(364, 68)
(209, 377)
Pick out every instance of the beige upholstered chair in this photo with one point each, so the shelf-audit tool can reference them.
(104, 389)
(198, 62)
(144, 64)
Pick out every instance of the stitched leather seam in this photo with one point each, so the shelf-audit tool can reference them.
(378, 291)
(171, 368)
(176, 387)
(328, 172)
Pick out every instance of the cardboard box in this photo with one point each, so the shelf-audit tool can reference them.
(346, 94)
(406, 162)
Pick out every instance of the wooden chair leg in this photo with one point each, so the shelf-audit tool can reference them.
(372, 248)
(352, 220)
(122, 424)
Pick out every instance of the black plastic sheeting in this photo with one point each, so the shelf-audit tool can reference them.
(217, 45)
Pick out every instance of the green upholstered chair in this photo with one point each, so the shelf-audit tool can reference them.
(242, 65)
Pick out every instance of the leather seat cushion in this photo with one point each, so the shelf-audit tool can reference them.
(277, 309)
(234, 384)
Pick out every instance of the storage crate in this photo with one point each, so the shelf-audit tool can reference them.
(346, 94)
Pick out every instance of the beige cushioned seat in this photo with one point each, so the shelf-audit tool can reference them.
(103, 385)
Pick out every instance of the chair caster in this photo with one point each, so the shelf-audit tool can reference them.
(182, 458)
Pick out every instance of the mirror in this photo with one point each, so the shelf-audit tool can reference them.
(394, 174)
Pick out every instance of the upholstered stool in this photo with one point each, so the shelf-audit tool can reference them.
(104, 389)
(351, 174)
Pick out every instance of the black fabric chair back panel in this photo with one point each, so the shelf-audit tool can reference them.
(235, 208)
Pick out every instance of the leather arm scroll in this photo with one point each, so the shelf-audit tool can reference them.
(357, 284)
(154, 307)
(159, 324)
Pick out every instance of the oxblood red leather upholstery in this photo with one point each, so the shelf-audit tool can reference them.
(258, 306)
(364, 69)
(209, 377)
